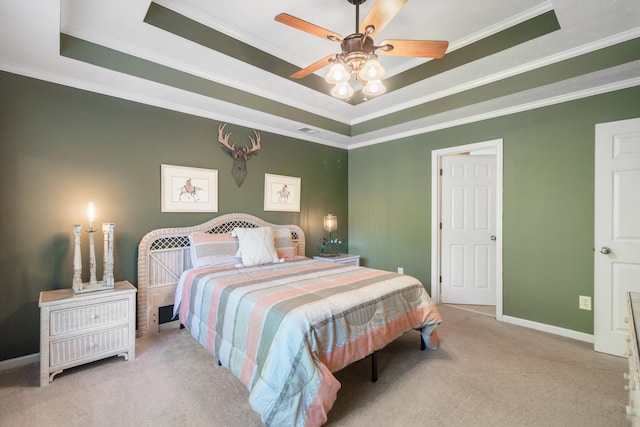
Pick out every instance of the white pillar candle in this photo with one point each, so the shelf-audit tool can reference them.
(92, 214)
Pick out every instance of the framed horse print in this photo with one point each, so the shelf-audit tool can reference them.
(281, 193)
(186, 189)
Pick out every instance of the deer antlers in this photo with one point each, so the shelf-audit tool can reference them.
(245, 152)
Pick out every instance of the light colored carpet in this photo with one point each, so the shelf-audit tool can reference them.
(486, 373)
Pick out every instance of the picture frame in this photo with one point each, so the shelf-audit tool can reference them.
(281, 193)
(188, 189)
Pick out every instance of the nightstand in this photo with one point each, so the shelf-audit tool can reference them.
(341, 258)
(80, 328)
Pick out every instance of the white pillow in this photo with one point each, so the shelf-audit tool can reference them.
(256, 246)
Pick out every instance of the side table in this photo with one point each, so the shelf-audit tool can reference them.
(80, 328)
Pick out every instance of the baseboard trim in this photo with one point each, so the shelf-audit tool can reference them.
(568, 333)
(17, 362)
(580, 336)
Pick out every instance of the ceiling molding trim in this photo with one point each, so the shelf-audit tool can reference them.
(196, 15)
(127, 95)
(232, 46)
(163, 60)
(108, 90)
(472, 38)
(76, 48)
(599, 90)
(536, 25)
(490, 46)
(501, 26)
(533, 65)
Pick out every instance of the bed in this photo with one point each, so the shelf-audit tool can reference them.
(282, 323)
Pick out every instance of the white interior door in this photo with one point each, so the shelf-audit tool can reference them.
(617, 230)
(468, 229)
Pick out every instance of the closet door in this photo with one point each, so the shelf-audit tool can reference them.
(468, 229)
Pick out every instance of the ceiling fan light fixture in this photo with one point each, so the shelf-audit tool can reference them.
(342, 90)
(372, 69)
(338, 73)
(374, 88)
(358, 57)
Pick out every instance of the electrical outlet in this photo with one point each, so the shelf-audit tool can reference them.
(400, 270)
(584, 303)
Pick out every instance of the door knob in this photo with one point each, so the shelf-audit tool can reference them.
(493, 237)
(605, 250)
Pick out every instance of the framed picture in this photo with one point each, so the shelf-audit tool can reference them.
(185, 189)
(281, 193)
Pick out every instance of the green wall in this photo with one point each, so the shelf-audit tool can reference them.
(547, 203)
(61, 148)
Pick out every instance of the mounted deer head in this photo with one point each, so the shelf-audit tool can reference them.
(240, 155)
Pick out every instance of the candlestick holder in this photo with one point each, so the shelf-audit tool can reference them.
(107, 281)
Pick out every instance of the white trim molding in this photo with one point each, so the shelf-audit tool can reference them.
(496, 147)
(543, 327)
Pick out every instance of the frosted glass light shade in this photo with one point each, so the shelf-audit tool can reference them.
(374, 88)
(337, 74)
(372, 70)
(342, 90)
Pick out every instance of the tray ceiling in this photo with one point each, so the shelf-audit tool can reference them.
(230, 61)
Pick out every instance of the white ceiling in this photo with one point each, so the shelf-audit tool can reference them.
(29, 45)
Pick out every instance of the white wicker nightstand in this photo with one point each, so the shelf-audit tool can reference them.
(341, 258)
(80, 328)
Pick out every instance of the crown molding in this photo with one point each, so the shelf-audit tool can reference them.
(526, 106)
(533, 65)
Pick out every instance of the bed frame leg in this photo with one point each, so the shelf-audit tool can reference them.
(374, 367)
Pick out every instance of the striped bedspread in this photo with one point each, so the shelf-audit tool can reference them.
(282, 329)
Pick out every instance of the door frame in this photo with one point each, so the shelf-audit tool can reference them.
(436, 184)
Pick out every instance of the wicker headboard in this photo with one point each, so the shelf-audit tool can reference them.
(163, 255)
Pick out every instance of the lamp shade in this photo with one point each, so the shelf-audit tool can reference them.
(372, 70)
(338, 73)
(330, 223)
(342, 90)
(374, 88)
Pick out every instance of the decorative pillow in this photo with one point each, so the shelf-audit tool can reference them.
(209, 250)
(283, 243)
(256, 246)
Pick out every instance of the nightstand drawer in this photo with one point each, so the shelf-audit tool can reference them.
(88, 316)
(65, 351)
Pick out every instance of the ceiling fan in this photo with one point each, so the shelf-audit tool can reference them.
(358, 57)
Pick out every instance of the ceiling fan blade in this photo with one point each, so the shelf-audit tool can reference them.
(313, 67)
(308, 27)
(381, 14)
(416, 48)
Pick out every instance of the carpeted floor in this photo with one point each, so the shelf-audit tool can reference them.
(486, 373)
